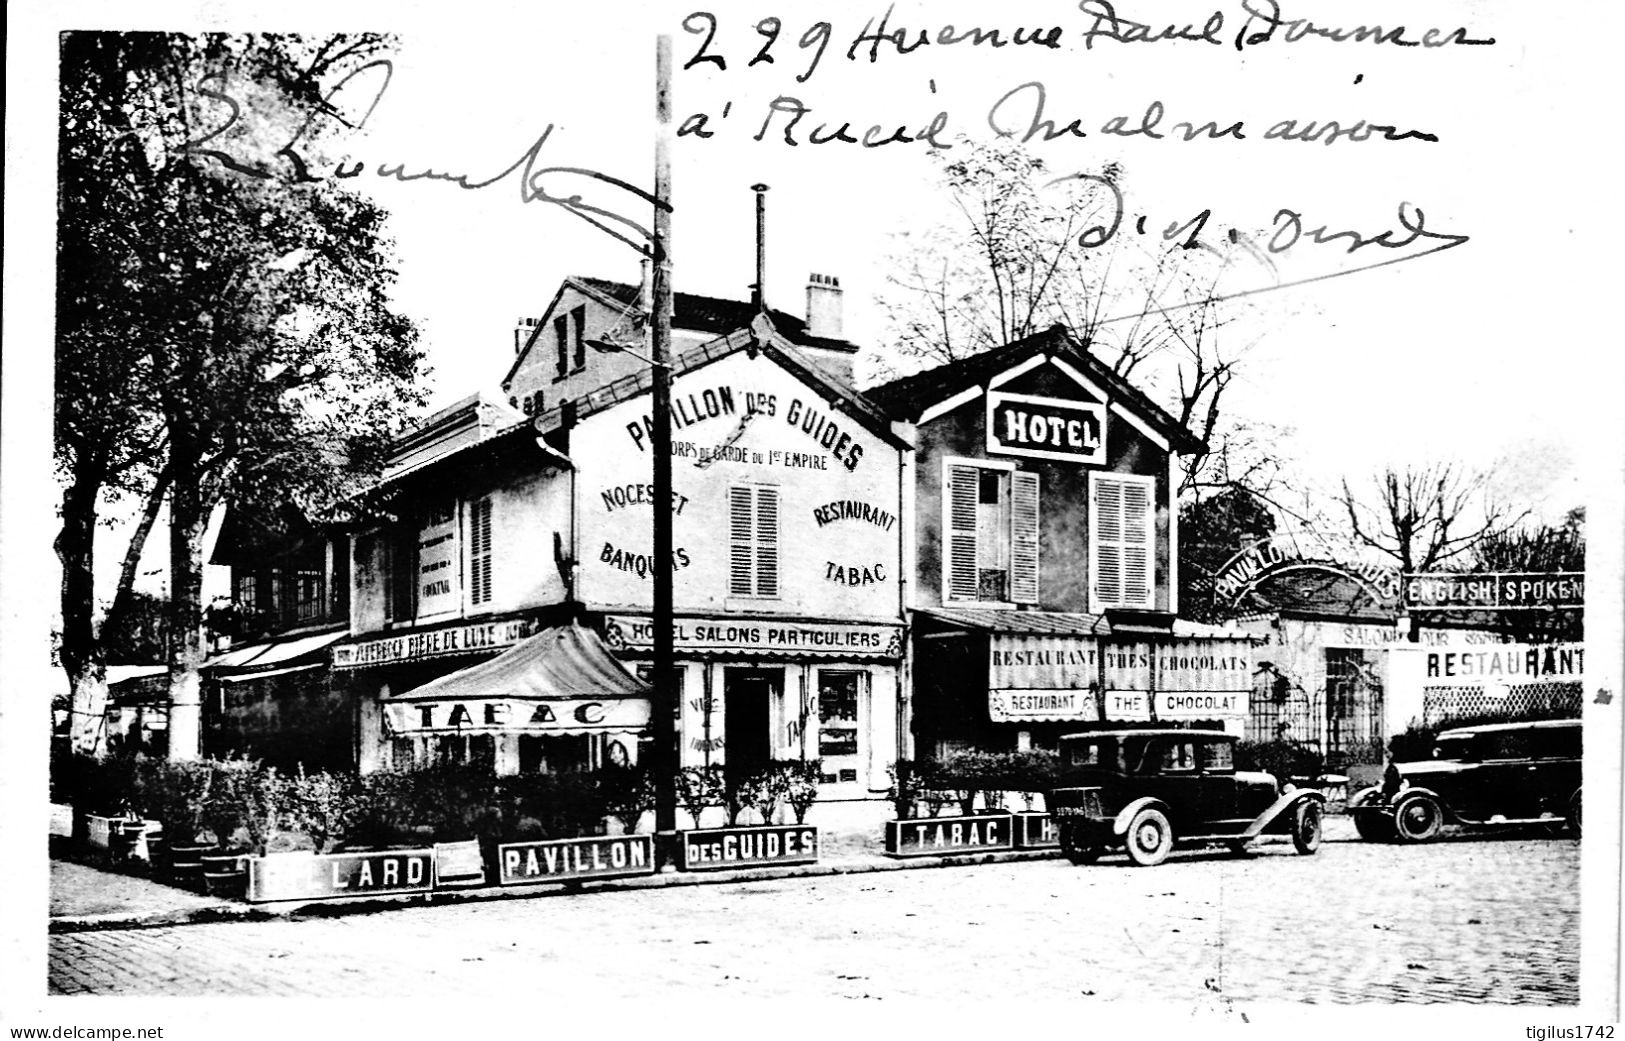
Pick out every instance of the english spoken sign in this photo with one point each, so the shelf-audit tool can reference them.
(722, 848)
(569, 860)
(1046, 428)
(301, 877)
(938, 836)
(1494, 591)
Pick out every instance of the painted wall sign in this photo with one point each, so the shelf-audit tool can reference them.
(1016, 706)
(620, 496)
(720, 848)
(630, 632)
(301, 877)
(1046, 428)
(1495, 591)
(852, 509)
(569, 860)
(458, 639)
(936, 836)
(1048, 662)
(689, 407)
(516, 716)
(854, 574)
(437, 562)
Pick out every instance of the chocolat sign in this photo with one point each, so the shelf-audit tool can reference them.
(1046, 428)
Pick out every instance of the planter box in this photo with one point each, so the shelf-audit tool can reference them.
(1036, 830)
(98, 829)
(458, 864)
(309, 876)
(719, 849)
(225, 875)
(574, 860)
(945, 836)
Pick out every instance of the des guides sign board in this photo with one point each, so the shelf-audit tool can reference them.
(721, 848)
(320, 877)
(572, 860)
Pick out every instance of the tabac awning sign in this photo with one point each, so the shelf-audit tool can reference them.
(1494, 591)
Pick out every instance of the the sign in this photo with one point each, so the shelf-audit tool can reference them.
(1037, 705)
(298, 876)
(938, 836)
(433, 643)
(438, 590)
(1494, 591)
(570, 860)
(1046, 428)
(625, 632)
(720, 848)
(517, 716)
(1126, 706)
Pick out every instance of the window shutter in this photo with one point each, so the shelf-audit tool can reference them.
(479, 552)
(960, 559)
(1121, 537)
(739, 542)
(767, 541)
(1024, 537)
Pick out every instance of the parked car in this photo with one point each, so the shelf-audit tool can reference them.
(1147, 790)
(1503, 773)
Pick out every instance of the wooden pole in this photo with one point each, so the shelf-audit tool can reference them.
(663, 724)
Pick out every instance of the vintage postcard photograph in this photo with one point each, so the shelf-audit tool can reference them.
(726, 518)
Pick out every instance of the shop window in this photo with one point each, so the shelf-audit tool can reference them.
(1120, 540)
(991, 525)
(554, 753)
(479, 552)
(465, 749)
(838, 714)
(753, 540)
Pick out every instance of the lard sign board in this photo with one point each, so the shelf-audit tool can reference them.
(721, 848)
(297, 876)
(572, 860)
(1046, 428)
(938, 836)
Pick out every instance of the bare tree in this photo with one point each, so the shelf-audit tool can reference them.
(1423, 517)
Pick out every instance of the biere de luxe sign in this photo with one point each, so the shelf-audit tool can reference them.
(1046, 428)
(433, 643)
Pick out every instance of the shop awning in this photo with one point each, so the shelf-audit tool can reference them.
(274, 652)
(563, 680)
(1025, 623)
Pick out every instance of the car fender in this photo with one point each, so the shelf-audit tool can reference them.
(1366, 798)
(1126, 814)
(1406, 792)
(1288, 801)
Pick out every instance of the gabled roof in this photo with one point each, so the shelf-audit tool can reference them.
(761, 334)
(691, 312)
(909, 397)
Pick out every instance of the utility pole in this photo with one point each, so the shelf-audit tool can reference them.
(663, 723)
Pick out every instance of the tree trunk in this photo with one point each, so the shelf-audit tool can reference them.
(187, 522)
(81, 651)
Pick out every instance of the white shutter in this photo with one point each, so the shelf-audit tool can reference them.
(479, 552)
(767, 541)
(960, 560)
(739, 542)
(1120, 535)
(1024, 537)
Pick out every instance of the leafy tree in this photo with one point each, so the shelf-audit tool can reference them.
(229, 311)
(1024, 249)
(1211, 531)
(1541, 547)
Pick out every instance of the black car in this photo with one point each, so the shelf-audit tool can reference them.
(1146, 790)
(1501, 774)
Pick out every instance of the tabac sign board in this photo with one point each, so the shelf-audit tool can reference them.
(517, 715)
(1046, 428)
(1494, 591)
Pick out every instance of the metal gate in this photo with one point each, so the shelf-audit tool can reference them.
(1354, 723)
(1280, 709)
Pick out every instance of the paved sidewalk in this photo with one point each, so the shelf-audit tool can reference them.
(850, 841)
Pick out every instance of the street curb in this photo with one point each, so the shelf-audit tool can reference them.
(293, 910)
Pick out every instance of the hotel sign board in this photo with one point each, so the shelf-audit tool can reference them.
(572, 860)
(1046, 428)
(1494, 591)
(636, 633)
(433, 643)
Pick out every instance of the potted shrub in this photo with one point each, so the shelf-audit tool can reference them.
(697, 788)
(905, 788)
(241, 796)
(628, 794)
(801, 785)
(325, 806)
(182, 796)
(735, 795)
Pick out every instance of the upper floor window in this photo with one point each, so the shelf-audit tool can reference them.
(1120, 540)
(753, 540)
(990, 513)
(569, 338)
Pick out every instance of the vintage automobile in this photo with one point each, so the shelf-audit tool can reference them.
(1147, 790)
(1499, 774)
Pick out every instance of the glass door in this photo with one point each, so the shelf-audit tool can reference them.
(840, 724)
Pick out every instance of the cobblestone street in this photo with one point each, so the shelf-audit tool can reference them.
(1473, 920)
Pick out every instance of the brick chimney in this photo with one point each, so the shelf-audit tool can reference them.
(824, 306)
(522, 331)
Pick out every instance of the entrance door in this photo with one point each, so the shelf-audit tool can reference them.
(747, 696)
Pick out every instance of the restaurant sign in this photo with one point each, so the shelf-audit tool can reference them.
(517, 716)
(1037, 705)
(721, 848)
(636, 633)
(433, 643)
(299, 876)
(571, 860)
(1046, 428)
(1494, 591)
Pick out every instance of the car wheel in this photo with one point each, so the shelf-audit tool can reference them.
(1374, 827)
(1306, 827)
(1076, 849)
(1574, 814)
(1418, 818)
(1150, 838)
